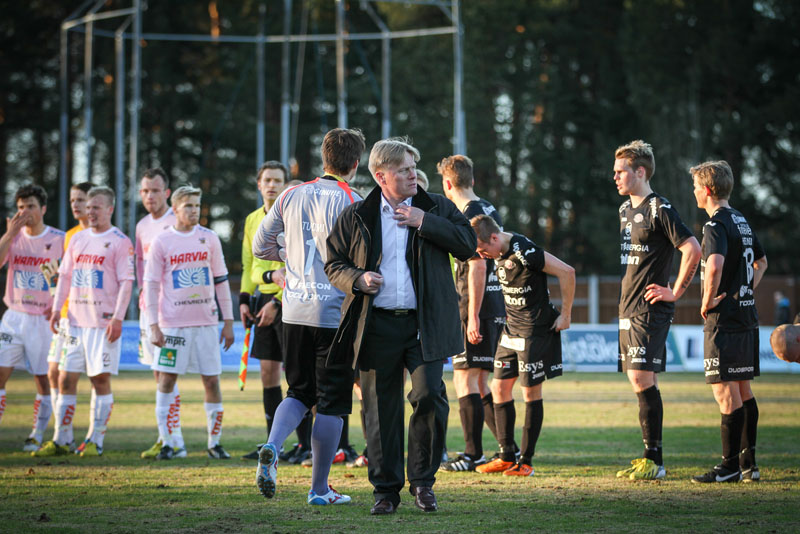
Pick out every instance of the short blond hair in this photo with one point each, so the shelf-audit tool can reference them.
(717, 176)
(102, 191)
(457, 169)
(484, 227)
(390, 152)
(638, 154)
(184, 191)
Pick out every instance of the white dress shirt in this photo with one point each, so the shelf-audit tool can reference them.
(397, 291)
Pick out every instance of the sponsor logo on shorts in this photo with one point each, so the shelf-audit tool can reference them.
(624, 324)
(502, 365)
(482, 359)
(459, 359)
(657, 361)
(175, 341)
(638, 360)
(106, 359)
(7, 338)
(740, 370)
(556, 367)
(531, 367)
(513, 343)
(710, 363)
(167, 357)
(87, 278)
(637, 351)
(192, 277)
(30, 280)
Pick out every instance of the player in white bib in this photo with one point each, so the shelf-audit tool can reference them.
(154, 192)
(184, 272)
(27, 245)
(96, 275)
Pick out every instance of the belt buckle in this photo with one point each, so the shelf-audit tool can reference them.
(398, 312)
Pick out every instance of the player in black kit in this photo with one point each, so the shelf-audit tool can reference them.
(732, 266)
(482, 313)
(530, 346)
(650, 231)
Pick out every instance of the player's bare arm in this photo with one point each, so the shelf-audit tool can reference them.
(711, 281)
(690, 257)
(566, 281)
(476, 284)
(114, 328)
(226, 336)
(760, 267)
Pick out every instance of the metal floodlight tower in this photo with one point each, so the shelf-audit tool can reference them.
(84, 18)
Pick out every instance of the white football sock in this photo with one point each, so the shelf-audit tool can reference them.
(214, 414)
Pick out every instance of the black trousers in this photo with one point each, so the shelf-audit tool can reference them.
(390, 346)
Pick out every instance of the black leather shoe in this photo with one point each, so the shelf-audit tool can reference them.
(383, 507)
(424, 499)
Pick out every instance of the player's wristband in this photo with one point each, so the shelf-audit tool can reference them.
(277, 301)
(267, 277)
(244, 298)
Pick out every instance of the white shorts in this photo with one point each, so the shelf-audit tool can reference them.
(57, 343)
(86, 350)
(146, 348)
(192, 349)
(24, 341)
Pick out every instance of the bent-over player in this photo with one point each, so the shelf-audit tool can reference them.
(650, 231)
(27, 245)
(97, 277)
(185, 271)
(732, 266)
(530, 346)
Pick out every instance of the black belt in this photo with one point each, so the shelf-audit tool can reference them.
(395, 312)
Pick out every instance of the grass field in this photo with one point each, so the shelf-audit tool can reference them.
(590, 431)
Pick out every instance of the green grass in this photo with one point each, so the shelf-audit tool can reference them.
(590, 431)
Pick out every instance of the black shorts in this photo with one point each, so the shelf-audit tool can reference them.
(310, 380)
(481, 356)
(266, 340)
(532, 358)
(643, 342)
(730, 356)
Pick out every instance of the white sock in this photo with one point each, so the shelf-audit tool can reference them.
(42, 410)
(162, 416)
(65, 411)
(174, 420)
(92, 410)
(2, 403)
(102, 413)
(214, 414)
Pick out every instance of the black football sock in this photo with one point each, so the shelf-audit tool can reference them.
(534, 414)
(731, 433)
(304, 431)
(505, 416)
(488, 415)
(271, 398)
(344, 439)
(651, 413)
(747, 458)
(470, 409)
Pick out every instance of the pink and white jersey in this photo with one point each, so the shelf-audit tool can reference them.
(186, 265)
(27, 288)
(146, 232)
(96, 265)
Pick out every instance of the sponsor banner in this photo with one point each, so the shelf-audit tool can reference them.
(595, 348)
(585, 348)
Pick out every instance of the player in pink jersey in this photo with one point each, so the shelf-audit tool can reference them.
(185, 271)
(97, 277)
(27, 245)
(154, 192)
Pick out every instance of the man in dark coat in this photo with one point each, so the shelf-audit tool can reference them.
(389, 255)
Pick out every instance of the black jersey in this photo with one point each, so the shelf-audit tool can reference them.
(524, 284)
(728, 234)
(649, 235)
(492, 305)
